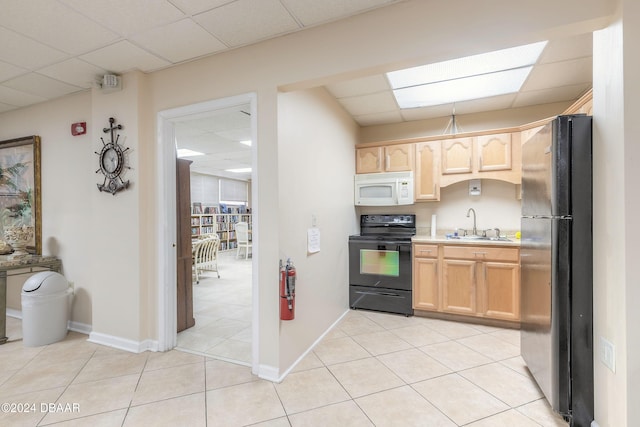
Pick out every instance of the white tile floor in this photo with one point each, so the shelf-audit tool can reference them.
(373, 369)
(222, 311)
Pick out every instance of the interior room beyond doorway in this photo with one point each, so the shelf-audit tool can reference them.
(219, 145)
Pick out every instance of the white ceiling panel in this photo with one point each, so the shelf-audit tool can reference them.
(124, 56)
(501, 102)
(559, 74)
(193, 7)
(426, 113)
(8, 71)
(24, 52)
(313, 12)
(74, 72)
(545, 96)
(369, 104)
(39, 85)
(127, 17)
(570, 48)
(42, 20)
(379, 118)
(247, 21)
(19, 99)
(6, 107)
(179, 41)
(363, 86)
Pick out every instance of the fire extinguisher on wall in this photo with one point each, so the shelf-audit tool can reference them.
(287, 291)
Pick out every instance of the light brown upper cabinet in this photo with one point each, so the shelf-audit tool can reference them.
(494, 152)
(457, 156)
(391, 158)
(427, 177)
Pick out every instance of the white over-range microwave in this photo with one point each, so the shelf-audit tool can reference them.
(384, 189)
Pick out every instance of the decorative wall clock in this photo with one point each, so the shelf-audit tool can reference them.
(112, 161)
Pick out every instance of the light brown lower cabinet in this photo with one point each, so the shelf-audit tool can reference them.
(426, 295)
(479, 281)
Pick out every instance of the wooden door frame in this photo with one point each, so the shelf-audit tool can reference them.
(166, 224)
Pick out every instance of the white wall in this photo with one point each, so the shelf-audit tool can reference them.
(316, 142)
(68, 184)
(616, 210)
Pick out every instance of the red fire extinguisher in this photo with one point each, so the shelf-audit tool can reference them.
(287, 290)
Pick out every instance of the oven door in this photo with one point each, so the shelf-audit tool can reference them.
(380, 263)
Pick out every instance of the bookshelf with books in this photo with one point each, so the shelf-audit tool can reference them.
(220, 220)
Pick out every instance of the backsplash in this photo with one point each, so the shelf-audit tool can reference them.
(497, 206)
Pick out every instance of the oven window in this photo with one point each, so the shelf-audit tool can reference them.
(376, 191)
(379, 262)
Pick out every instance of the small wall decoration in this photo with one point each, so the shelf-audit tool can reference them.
(112, 161)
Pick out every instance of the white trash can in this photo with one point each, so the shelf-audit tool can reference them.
(46, 307)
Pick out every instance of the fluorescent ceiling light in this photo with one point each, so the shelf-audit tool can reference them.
(185, 152)
(239, 170)
(464, 89)
(502, 69)
(247, 142)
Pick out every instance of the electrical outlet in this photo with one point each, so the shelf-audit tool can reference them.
(608, 354)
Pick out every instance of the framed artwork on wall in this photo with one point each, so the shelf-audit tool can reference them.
(20, 204)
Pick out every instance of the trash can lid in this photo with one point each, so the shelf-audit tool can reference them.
(45, 283)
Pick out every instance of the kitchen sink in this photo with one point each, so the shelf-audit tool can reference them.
(474, 238)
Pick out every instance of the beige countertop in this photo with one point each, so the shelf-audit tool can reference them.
(423, 238)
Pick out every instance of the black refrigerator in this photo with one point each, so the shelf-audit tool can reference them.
(556, 259)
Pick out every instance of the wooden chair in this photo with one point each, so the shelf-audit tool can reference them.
(205, 256)
(242, 238)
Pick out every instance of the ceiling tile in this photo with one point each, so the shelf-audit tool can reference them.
(6, 107)
(179, 41)
(8, 71)
(127, 17)
(312, 12)
(43, 86)
(74, 72)
(247, 21)
(379, 118)
(501, 102)
(369, 104)
(425, 113)
(557, 94)
(559, 74)
(362, 86)
(24, 52)
(19, 99)
(124, 56)
(42, 21)
(193, 7)
(569, 48)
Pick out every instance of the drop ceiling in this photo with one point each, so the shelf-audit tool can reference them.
(53, 48)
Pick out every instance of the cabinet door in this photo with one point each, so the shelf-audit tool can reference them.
(494, 152)
(459, 286)
(398, 158)
(369, 160)
(501, 290)
(425, 284)
(428, 170)
(457, 155)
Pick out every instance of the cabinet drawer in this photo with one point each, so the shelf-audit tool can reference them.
(482, 253)
(425, 251)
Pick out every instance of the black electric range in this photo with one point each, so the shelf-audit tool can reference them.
(380, 264)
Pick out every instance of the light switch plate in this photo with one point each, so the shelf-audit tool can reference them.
(608, 354)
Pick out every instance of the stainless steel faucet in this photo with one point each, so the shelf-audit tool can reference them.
(475, 230)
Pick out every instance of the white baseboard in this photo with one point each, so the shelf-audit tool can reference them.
(123, 343)
(273, 372)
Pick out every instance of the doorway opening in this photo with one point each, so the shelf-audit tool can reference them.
(223, 194)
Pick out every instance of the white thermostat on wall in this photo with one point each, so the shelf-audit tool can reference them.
(475, 188)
